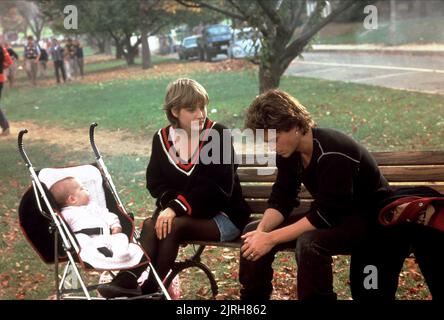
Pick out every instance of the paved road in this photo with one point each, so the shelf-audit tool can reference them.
(400, 71)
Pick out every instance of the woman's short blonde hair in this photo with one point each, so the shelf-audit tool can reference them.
(184, 93)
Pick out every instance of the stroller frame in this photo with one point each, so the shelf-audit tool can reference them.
(61, 232)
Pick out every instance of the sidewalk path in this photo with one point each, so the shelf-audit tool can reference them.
(411, 68)
(413, 49)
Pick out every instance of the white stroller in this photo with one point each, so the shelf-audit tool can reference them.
(52, 239)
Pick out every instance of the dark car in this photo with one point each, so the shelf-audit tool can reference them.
(189, 48)
(215, 39)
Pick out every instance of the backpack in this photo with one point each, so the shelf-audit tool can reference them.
(43, 55)
(421, 205)
(30, 51)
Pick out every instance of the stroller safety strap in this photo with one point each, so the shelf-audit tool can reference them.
(90, 231)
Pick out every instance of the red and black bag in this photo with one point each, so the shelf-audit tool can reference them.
(422, 205)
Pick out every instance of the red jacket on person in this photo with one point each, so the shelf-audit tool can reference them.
(7, 61)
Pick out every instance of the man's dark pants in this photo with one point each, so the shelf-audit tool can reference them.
(58, 66)
(314, 250)
(386, 250)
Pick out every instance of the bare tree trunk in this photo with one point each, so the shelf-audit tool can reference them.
(37, 36)
(101, 45)
(130, 56)
(392, 28)
(130, 50)
(107, 46)
(146, 52)
(269, 76)
(119, 50)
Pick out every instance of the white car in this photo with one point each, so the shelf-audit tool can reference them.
(245, 43)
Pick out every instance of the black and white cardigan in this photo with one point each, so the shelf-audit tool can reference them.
(194, 188)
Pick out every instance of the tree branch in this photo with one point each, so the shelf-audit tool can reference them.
(308, 34)
(235, 4)
(199, 4)
(158, 29)
(295, 47)
(296, 16)
(272, 14)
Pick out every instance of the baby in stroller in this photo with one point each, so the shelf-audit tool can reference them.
(95, 227)
(66, 222)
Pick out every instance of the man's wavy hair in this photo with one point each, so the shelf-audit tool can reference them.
(184, 93)
(276, 109)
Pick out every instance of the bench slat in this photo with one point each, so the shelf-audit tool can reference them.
(382, 158)
(409, 158)
(263, 191)
(392, 174)
(413, 173)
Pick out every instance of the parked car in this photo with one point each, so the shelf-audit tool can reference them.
(189, 48)
(245, 43)
(215, 39)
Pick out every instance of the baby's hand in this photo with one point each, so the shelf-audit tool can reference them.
(116, 230)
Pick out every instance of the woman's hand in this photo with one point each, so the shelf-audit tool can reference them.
(164, 223)
(256, 244)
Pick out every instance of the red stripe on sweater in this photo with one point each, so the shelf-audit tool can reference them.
(182, 199)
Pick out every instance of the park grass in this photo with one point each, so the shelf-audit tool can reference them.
(382, 119)
(111, 64)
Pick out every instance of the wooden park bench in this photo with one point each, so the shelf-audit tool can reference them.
(424, 168)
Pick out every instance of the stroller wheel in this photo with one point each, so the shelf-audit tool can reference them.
(196, 282)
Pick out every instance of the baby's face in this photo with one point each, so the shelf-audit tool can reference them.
(80, 194)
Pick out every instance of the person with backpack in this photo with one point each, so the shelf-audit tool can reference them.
(32, 57)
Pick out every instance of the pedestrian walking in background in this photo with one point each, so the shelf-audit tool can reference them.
(79, 56)
(32, 57)
(57, 55)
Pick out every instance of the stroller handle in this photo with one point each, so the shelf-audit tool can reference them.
(91, 139)
(22, 149)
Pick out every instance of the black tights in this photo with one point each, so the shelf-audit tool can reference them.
(163, 252)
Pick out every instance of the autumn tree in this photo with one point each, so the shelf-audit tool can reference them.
(34, 18)
(285, 26)
(10, 18)
(128, 23)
